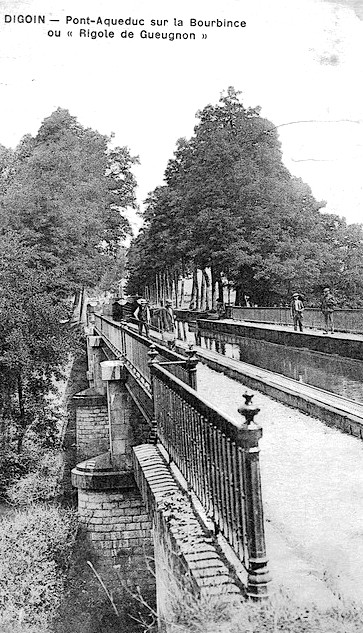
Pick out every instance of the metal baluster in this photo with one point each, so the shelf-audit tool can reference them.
(194, 450)
(217, 498)
(231, 494)
(183, 435)
(222, 506)
(227, 511)
(209, 467)
(200, 457)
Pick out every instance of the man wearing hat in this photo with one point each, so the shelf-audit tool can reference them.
(327, 307)
(142, 314)
(170, 317)
(297, 309)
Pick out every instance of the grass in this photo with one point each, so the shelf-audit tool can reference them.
(275, 615)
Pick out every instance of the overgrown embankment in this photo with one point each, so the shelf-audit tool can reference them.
(35, 550)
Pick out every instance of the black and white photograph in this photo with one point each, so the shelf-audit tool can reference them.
(181, 316)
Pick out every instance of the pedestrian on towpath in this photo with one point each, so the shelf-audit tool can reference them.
(167, 322)
(170, 316)
(327, 307)
(297, 309)
(143, 316)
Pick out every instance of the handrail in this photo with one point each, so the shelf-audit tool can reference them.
(345, 319)
(219, 459)
(134, 348)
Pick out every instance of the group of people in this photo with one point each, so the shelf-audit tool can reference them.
(165, 317)
(327, 306)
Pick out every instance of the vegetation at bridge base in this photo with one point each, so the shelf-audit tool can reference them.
(35, 550)
(280, 613)
(230, 205)
(64, 194)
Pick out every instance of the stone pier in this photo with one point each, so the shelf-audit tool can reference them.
(109, 503)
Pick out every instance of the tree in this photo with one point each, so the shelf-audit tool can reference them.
(33, 345)
(68, 196)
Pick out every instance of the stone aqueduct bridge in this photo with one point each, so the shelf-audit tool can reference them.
(164, 474)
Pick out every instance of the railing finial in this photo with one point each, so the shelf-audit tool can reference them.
(248, 410)
(152, 353)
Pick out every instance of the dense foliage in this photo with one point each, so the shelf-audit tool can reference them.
(229, 205)
(63, 200)
(35, 549)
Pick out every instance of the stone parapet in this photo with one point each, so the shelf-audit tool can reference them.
(187, 556)
(339, 343)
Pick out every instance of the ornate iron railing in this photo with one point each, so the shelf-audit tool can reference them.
(134, 348)
(220, 461)
(345, 320)
(218, 457)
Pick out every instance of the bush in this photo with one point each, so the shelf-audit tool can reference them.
(35, 551)
(12, 466)
(42, 484)
(15, 465)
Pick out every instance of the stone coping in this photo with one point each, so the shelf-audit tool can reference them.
(90, 397)
(195, 551)
(98, 473)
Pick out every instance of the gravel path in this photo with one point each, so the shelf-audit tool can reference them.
(312, 485)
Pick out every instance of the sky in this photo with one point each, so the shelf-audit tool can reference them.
(300, 60)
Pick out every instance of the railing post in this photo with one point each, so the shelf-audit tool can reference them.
(152, 354)
(191, 365)
(249, 435)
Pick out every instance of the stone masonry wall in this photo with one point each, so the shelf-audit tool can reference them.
(92, 431)
(120, 530)
(92, 424)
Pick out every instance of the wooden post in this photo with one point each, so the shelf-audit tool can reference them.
(249, 436)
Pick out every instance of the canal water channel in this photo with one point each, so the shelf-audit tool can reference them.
(336, 374)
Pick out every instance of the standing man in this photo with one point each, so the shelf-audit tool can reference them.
(143, 316)
(297, 309)
(169, 324)
(170, 317)
(220, 309)
(327, 307)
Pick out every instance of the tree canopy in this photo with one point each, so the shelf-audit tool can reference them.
(229, 204)
(67, 193)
